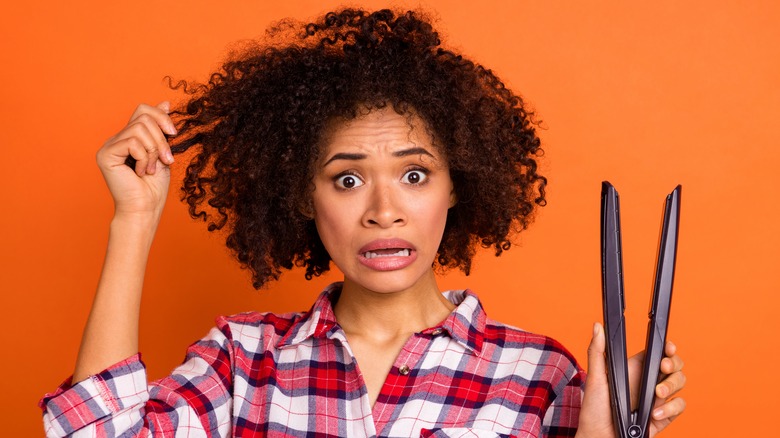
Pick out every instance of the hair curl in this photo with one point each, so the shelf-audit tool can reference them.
(255, 127)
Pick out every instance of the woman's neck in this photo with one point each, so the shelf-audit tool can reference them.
(384, 316)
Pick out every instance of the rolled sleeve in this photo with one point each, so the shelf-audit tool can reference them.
(194, 401)
(73, 407)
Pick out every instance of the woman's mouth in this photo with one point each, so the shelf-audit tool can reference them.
(387, 254)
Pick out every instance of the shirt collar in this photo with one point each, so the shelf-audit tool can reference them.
(318, 322)
(465, 325)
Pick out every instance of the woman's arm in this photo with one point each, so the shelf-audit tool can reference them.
(109, 394)
(139, 194)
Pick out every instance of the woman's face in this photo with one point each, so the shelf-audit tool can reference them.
(382, 191)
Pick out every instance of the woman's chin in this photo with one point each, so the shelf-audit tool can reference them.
(391, 282)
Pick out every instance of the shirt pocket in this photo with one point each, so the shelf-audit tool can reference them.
(461, 432)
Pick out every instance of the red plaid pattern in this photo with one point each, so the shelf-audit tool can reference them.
(294, 375)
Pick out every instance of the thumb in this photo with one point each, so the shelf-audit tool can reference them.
(597, 364)
(595, 416)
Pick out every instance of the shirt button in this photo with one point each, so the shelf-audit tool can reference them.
(437, 331)
(404, 370)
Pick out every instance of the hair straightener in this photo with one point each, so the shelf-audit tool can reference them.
(627, 423)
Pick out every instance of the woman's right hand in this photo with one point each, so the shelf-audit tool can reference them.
(139, 192)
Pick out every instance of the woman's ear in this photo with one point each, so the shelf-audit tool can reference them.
(307, 210)
(453, 198)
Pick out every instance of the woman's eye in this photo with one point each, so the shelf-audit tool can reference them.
(414, 177)
(348, 181)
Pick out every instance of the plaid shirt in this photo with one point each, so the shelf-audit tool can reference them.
(294, 375)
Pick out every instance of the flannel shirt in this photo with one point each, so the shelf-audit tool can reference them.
(294, 375)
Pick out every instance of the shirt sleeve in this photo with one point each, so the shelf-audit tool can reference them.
(563, 415)
(194, 401)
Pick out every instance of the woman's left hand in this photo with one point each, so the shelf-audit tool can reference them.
(596, 413)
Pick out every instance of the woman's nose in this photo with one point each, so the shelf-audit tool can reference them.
(384, 208)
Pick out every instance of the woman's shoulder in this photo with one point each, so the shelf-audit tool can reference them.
(534, 357)
(510, 335)
(254, 323)
(522, 345)
(254, 318)
(503, 339)
(269, 330)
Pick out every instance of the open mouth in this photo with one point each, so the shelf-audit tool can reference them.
(389, 252)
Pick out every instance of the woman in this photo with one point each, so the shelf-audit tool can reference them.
(361, 142)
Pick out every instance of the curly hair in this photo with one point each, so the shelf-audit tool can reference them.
(255, 128)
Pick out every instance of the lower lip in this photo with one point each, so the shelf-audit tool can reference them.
(388, 263)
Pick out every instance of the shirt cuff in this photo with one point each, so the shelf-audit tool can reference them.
(71, 407)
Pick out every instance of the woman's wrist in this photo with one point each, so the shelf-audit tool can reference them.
(141, 226)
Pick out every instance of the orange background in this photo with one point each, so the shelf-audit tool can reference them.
(646, 96)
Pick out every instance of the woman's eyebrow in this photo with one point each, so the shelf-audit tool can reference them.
(357, 156)
(412, 151)
(345, 156)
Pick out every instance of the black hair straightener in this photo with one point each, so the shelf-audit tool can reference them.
(635, 424)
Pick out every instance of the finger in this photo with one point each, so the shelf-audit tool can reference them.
(161, 143)
(149, 137)
(128, 151)
(672, 384)
(597, 366)
(671, 364)
(165, 106)
(670, 349)
(669, 410)
(132, 146)
(159, 113)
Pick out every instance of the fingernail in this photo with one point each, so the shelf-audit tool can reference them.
(169, 157)
(658, 414)
(172, 129)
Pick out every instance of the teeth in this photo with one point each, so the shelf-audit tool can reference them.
(400, 253)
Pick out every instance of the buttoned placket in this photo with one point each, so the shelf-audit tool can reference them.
(408, 358)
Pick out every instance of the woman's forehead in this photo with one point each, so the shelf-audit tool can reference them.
(376, 131)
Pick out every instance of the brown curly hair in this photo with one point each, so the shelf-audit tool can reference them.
(256, 124)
